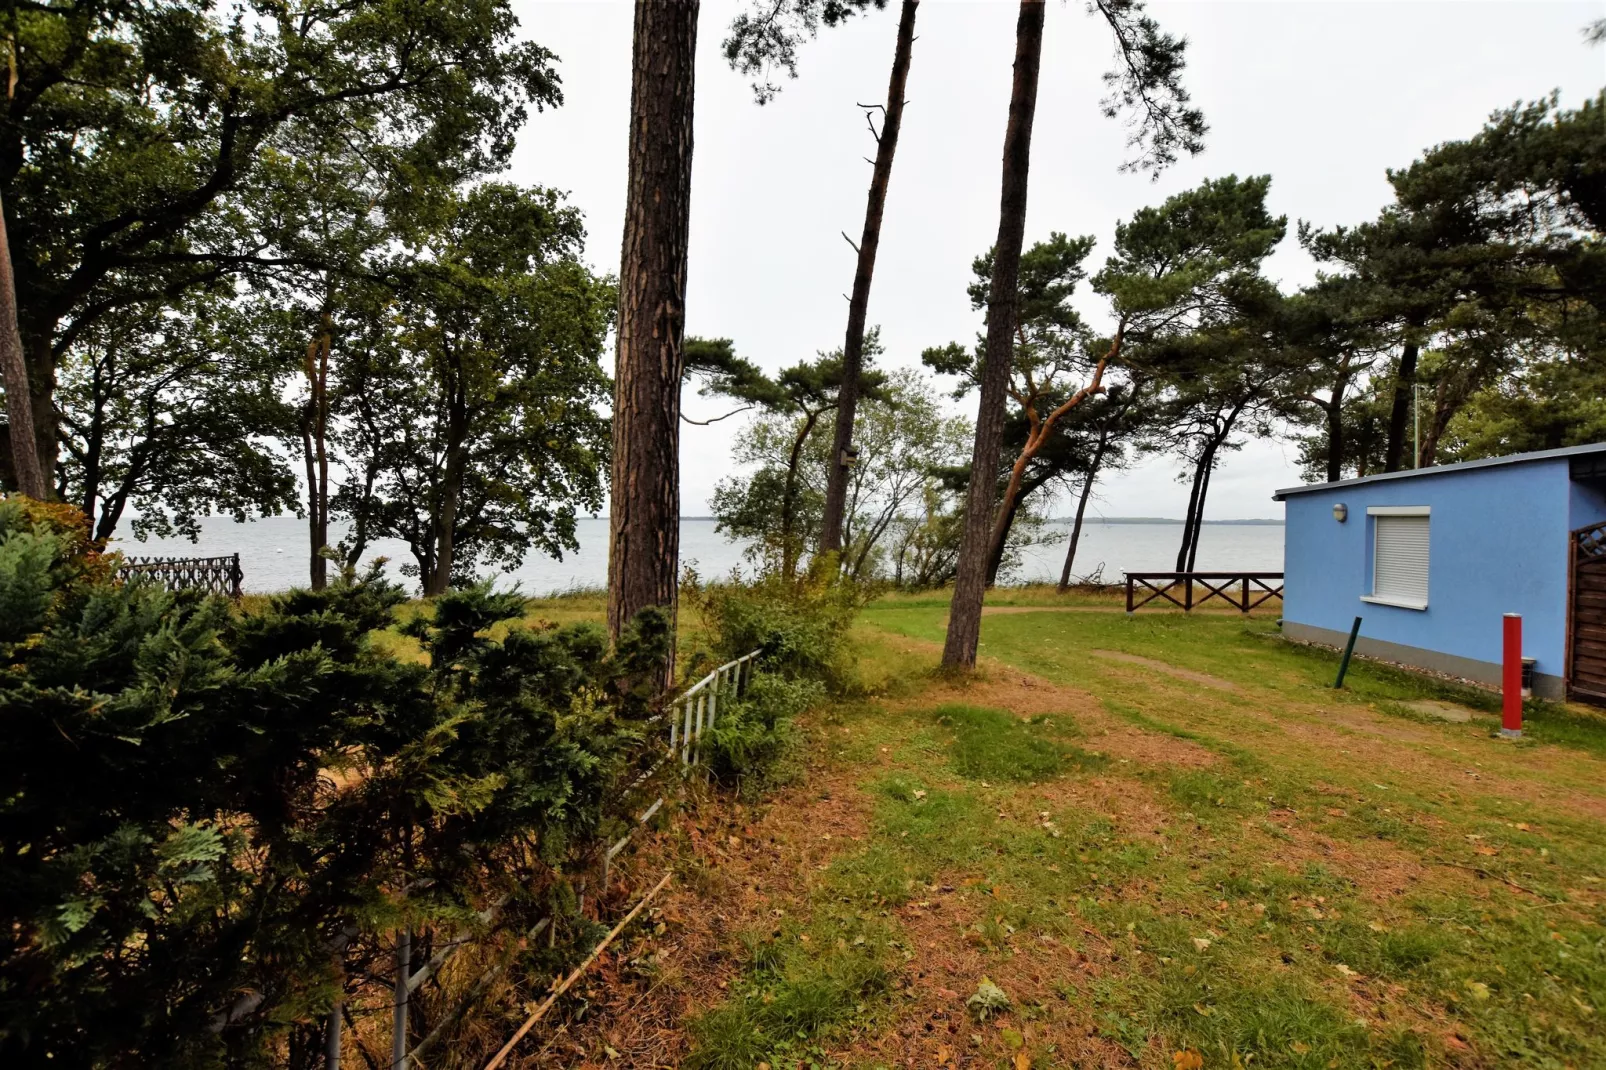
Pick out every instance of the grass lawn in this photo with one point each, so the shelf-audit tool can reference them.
(1133, 842)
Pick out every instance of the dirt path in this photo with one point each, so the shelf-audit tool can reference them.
(1099, 898)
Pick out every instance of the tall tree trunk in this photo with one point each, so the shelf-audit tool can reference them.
(790, 551)
(836, 489)
(1335, 437)
(25, 466)
(1081, 510)
(970, 583)
(451, 491)
(41, 361)
(1187, 518)
(644, 511)
(1198, 513)
(1399, 414)
(315, 450)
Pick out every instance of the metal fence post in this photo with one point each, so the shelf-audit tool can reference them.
(1349, 648)
(398, 1032)
(331, 1040)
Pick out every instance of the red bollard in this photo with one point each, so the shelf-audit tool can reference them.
(1511, 678)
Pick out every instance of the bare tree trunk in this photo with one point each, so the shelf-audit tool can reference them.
(970, 586)
(440, 581)
(315, 450)
(41, 360)
(644, 511)
(1081, 510)
(1198, 513)
(1399, 414)
(790, 550)
(1008, 509)
(1335, 437)
(836, 489)
(25, 465)
(1187, 519)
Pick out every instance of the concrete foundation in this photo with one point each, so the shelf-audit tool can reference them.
(1484, 672)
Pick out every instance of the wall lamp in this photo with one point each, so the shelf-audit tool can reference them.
(1340, 512)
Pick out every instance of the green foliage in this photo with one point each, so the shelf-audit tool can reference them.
(146, 138)
(475, 389)
(778, 506)
(800, 627)
(755, 738)
(211, 797)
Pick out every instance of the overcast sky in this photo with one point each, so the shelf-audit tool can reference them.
(1322, 96)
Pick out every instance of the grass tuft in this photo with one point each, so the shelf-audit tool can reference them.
(991, 744)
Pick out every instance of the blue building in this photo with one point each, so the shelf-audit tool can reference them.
(1431, 559)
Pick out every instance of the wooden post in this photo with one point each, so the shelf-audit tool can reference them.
(1187, 592)
(1246, 595)
(1129, 594)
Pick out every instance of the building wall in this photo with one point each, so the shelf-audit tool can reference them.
(1497, 543)
(1588, 506)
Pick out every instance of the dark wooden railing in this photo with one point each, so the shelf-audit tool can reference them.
(219, 575)
(1241, 590)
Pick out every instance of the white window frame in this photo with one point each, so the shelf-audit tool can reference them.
(1393, 510)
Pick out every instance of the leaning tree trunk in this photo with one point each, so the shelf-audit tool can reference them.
(836, 489)
(1198, 513)
(791, 550)
(1081, 510)
(1404, 385)
(970, 585)
(25, 465)
(1193, 505)
(644, 512)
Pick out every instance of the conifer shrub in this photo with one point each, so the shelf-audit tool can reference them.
(211, 820)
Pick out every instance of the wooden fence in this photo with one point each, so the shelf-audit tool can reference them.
(219, 575)
(1241, 590)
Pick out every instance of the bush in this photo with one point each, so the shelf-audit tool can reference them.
(800, 626)
(754, 739)
(209, 817)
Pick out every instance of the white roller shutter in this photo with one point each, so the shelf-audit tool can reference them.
(1400, 561)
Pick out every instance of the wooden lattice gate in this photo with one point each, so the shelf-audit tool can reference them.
(1586, 617)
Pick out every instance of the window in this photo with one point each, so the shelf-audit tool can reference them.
(1399, 556)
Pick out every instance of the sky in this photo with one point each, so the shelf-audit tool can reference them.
(1322, 96)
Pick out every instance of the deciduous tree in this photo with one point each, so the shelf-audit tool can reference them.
(475, 432)
(133, 128)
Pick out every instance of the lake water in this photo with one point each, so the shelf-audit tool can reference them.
(273, 551)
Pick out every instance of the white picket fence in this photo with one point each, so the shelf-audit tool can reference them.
(688, 716)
